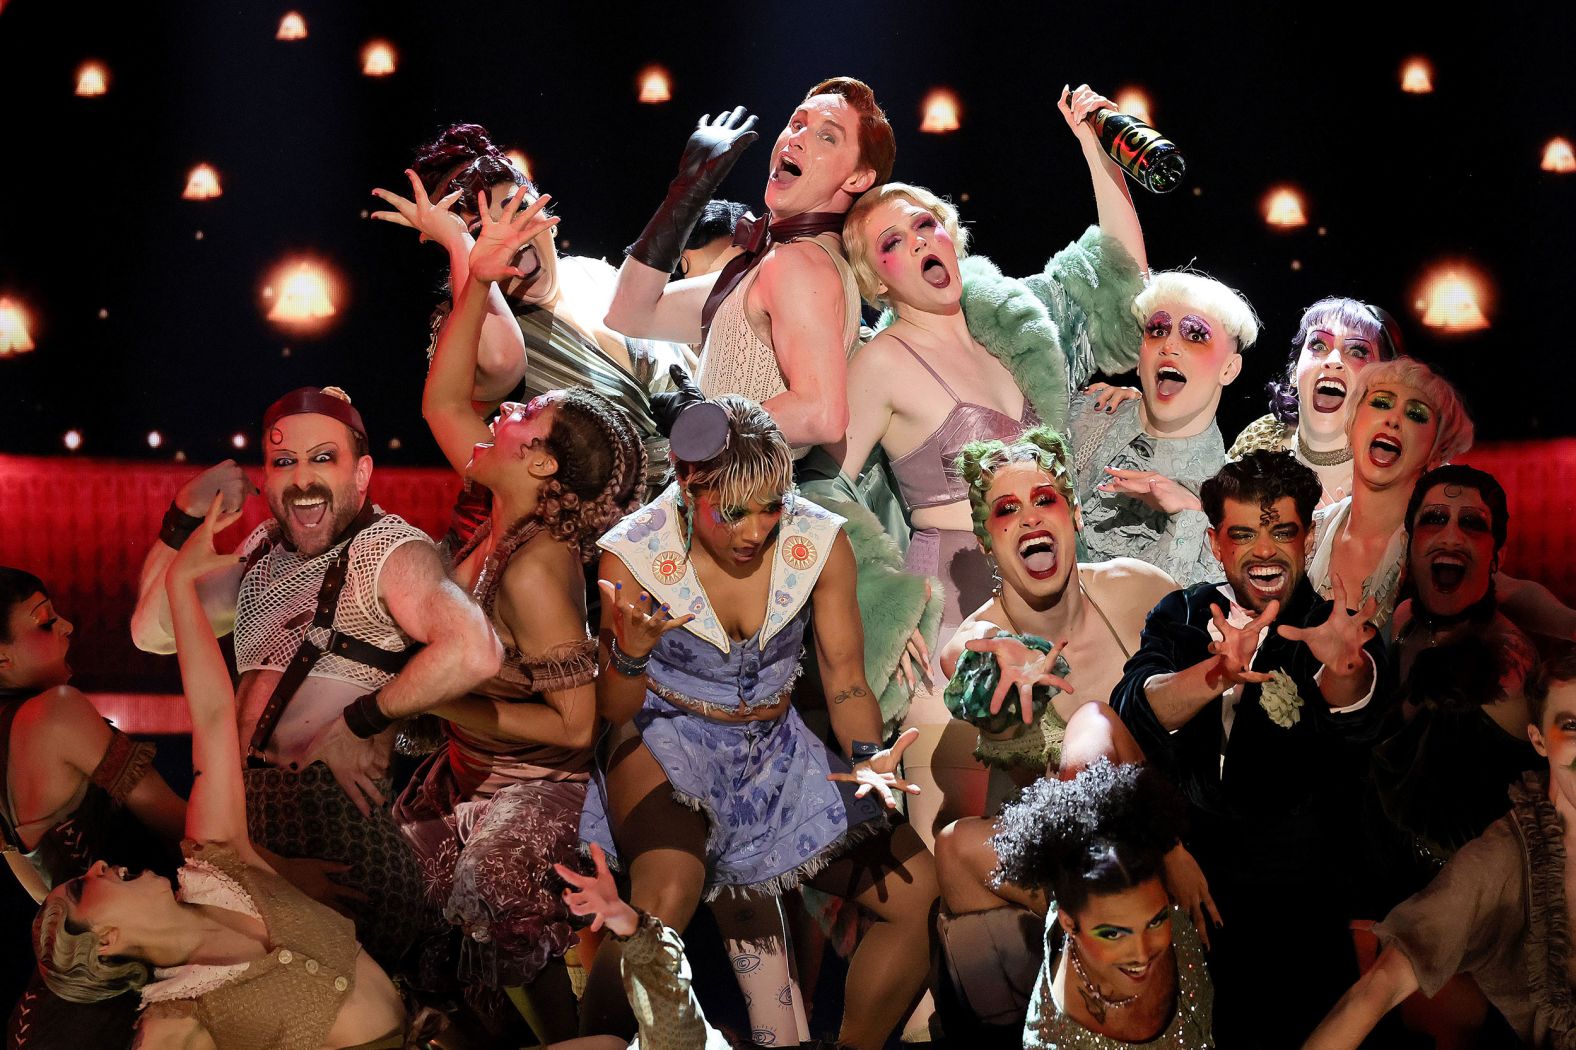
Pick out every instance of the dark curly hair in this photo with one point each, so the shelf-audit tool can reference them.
(1486, 485)
(1371, 322)
(601, 467)
(16, 586)
(1106, 830)
(463, 157)
(1558, 665)
(1262, 477)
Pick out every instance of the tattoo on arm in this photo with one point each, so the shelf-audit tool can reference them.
(857, 690)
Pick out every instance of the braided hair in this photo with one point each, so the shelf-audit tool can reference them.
(979, 460)
(601, 468)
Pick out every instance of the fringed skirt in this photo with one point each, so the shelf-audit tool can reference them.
(773, 818)
(487, 864)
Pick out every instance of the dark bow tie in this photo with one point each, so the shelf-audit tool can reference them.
(755, 236)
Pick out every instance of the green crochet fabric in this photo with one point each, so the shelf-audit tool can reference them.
(973, 683)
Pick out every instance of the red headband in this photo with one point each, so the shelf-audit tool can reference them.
(309, 400)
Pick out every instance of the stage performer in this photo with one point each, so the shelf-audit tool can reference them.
(1259, 699)
(1336, 339)
(1459, 738)
(1139, 466)
(490, 813)
(714, 784)
(543, 328)
(970, 354)
(778, 322)
(327, 608)
(1499, 910)
(236, 956)
(72, 788)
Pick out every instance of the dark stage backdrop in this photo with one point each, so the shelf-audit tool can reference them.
(92, 218)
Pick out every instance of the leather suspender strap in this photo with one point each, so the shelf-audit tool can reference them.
(309, 653)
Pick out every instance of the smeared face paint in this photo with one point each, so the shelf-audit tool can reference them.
(1263, 550)
(1555, 739)
(1451, 557)
(914, 256)
(733, 534)
(1185, 360)
(516, 432)
(1327, 367)
(313, 480)
(1033, 532)
(1392, 435)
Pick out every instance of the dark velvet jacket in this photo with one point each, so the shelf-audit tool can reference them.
(1274, 779)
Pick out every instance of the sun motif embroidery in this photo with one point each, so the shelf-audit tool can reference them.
(668, 566)
(799, 552)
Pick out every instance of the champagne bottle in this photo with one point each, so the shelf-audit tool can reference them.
(1149, 157)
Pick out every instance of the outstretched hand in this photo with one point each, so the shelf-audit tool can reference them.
(597, 896)
(434, 220)
(641, 622)
(1237, 645)
(1338, 642)
(1152, 489)
(879, 772)
(357, 764)
(714, 146)
(197, 558)
(500, 240)
(1020, 668)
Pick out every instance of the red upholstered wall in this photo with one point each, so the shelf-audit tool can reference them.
(83, 526)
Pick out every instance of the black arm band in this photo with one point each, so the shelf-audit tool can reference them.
(177, 526)
(864, 751)
(365, 718)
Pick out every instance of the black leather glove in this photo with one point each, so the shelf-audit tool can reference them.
(665, 408)
(708, 156)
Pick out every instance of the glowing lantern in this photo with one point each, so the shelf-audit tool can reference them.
(304, 296)
(378, 59)
(14, 336)
(1417, 77)
(202, 184)
(72, 440)
(238, 441)
(521, 162)
(1132, 100)
(291, 27)
(654, 85)
(1558, 156)
(1283, 208)
(941, 112)
(1452, 300)
(92, 79)
(155, 439)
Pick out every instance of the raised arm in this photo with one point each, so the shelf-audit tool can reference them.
(216, 811)
(448, 399)
(852, 707)
(151, 629)
(500, 356)
(1534, 608)
(537, 606)
(645, 305)
(1113, 204)
(802, 294)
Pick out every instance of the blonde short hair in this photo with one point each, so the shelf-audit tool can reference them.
(69, 959)
(1223, 303)
(859, 254)
(1455, 432)
(756, 459)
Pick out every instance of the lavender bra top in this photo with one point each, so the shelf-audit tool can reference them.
(928, 475)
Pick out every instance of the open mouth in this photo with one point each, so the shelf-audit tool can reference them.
(308, 512)
(786, 171)
(1268, 578)
(1136, 971)
(935, 272)
(529, 264)
(1448, 572)
(1038, 553)
(1329, 394)
(1384, 450)
(1169, 382)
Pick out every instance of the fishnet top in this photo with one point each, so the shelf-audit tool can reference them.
(735, 361)
(279, 594)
